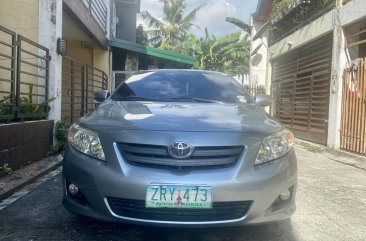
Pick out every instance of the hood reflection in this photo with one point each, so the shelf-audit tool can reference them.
(171, 116)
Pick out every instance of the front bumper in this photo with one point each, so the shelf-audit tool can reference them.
(259, 185)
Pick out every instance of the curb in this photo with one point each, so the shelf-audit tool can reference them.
(337, 155)
(27, 175)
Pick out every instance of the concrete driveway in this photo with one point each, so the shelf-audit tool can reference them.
(331, 205)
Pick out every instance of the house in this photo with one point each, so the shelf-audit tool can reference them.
(61, 49)
(318, 87)
(54, 54)
(129, 56)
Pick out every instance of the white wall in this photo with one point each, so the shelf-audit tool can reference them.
(50, 28)
(335, 97)
(352, 12)
(258, 61)
(314, 30)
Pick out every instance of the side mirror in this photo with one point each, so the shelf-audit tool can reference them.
(263, 100)
(101, 95)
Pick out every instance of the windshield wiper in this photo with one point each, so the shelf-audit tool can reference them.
(192, 99)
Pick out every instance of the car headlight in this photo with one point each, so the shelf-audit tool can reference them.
(85, 141)
(275, 146)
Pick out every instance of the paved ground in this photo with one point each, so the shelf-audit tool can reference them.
(331, 206)
(26, 175)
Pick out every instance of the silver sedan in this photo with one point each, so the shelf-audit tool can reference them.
(180, 148)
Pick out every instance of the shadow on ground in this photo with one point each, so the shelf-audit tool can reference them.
(40, 216)
(94, 230)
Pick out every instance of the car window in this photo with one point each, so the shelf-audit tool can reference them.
(183, 85)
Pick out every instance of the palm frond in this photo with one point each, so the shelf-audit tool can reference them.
(191, 16)
(151, 21)
(239, 23)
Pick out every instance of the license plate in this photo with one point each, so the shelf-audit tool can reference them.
(178, 196)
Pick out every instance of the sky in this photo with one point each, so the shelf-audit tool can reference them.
(212, 15)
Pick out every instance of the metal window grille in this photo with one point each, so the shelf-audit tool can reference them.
(24, 77)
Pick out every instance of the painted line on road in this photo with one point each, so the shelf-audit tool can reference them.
(6, 202)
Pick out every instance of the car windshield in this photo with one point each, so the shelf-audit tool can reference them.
(190, 86)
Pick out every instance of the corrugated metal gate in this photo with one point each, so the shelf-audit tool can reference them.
(79, 83)
(300, 86)
(353, 127)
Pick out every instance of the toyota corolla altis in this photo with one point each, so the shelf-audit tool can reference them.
(180, 148)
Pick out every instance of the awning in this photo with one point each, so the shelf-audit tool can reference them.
(139, 48)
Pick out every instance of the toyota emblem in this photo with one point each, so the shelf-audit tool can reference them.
(180, 150)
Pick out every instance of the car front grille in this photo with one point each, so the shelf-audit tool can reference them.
(158, 156)
(220, 211)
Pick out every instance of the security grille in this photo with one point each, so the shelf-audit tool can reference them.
(159, 157)
(24, 71)
(300, 85)
(79, 83)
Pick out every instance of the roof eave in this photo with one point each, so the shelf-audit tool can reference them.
(140, 48)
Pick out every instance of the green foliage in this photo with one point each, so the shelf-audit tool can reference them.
(288, 15)
(5, 170)
(26, 105)
(282, 7)
(60, 136)
(279, 7)
(141, 35)
(239, 23)
(169, 32)
(229, 54)
(5, 105)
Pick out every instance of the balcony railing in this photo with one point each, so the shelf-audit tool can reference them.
(98, 10)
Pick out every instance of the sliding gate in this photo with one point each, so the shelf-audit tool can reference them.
(300, 86)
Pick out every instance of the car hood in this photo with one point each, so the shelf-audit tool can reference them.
(178, 116)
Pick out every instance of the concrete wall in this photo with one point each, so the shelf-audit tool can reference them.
(352, 12)
(20, 16)
(25, 24)
(315, 29)
(103, 61)
(90, 54)
(83, 54)
(50, 19)
(258, 60)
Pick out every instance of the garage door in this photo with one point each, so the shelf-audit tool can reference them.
(300, 85)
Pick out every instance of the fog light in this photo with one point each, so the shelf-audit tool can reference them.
(74, 190)
(285, 195)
